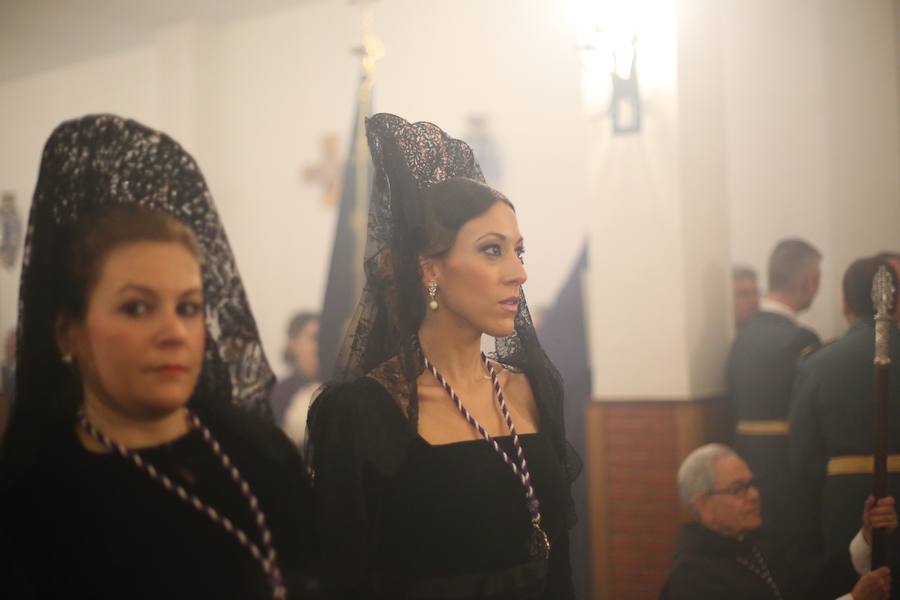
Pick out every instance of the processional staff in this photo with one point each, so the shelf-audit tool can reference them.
(883, 300)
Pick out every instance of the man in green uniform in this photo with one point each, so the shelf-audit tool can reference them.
(760, 375)
(832, 415)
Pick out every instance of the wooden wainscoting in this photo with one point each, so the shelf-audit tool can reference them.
(634, 449)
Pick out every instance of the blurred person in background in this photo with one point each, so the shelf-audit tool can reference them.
(833, 412)
(760, 374)
(291, 396)
(746, 294)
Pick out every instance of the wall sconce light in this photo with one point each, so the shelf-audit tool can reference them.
(610, 35)
(609, 58)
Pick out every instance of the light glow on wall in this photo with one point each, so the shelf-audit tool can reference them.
(610, 32)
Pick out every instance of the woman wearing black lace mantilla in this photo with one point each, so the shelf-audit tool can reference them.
(440, 472)
(134, 466)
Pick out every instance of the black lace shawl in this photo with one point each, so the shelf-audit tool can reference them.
(103, 160)
(381, 338)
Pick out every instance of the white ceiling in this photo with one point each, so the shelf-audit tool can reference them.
(36, 35)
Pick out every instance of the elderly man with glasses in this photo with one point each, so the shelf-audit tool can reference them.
(720, 556)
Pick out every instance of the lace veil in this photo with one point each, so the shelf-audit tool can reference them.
(409, 158)
(102, 160)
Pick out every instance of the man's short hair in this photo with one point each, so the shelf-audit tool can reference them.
(790, 261)
(697, 474)
(743, 272)
(857, 285)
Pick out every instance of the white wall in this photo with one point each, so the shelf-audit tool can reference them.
(862, 132)
(782, 121)
(813, 145)
(251, 98)
(638, 269)
(124, 82)
(659, 252)
(777, 135)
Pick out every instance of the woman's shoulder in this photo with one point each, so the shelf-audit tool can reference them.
(362, 402)
(356, 422)
(250, 434)
(511, 372)
(383, 383)
(349, 395)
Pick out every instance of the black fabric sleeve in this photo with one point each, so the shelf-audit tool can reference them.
(356, 431)
(341, 503)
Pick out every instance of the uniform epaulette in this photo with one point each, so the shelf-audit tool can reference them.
(811, 349)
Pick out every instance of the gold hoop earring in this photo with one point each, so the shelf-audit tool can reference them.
(66, 358)
(432, 290)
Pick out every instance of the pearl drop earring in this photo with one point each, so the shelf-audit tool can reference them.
(432, 290)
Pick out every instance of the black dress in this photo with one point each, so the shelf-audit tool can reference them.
(403, 519)
(89, 525)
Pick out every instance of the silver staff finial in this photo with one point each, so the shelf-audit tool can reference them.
(883, 293)
(883, 300)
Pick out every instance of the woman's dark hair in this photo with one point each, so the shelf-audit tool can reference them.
(446, 207)
(91, 239)
(449, 205)
(295, 326)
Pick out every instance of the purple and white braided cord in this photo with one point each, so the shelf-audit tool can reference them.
(267, 561)
(519, 466)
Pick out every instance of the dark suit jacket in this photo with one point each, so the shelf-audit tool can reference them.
(760, 376)
(708, 566)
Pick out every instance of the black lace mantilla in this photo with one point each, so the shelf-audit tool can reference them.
(408, 158)
(431, 156)
(102, 160)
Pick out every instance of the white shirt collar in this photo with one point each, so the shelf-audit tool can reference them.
(779, 308)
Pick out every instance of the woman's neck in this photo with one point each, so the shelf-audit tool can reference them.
(130, 431)
(454, 351)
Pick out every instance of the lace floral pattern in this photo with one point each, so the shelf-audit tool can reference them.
(430, 154)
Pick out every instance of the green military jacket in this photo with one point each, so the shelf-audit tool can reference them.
(831, 418)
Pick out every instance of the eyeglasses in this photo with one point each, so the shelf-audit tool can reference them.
(738, 488)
